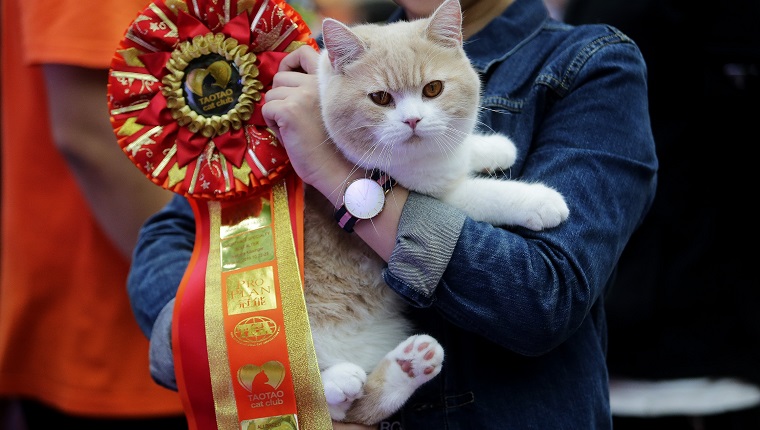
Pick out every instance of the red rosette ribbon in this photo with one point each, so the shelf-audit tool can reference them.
(186, 88)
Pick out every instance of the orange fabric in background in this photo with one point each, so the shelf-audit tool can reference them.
(67, 333)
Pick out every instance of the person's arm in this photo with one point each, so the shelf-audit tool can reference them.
(529, 291)
(162, 254)
(292, 111)
(119, 195)
(164, 247)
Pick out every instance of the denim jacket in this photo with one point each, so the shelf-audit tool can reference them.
(520, 314)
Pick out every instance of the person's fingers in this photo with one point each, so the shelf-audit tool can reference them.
(294, 99)
(285, 114)
(304, 58)
(276, 93)
(268, 111)
(293, 79)
(289, 95)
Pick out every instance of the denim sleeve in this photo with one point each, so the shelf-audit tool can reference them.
(585, 132)
(161, 256)
(160, 352)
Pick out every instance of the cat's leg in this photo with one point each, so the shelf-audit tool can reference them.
(343, 384)
(510, 202)
(413, 362)
(490, 152)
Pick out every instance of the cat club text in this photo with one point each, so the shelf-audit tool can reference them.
(216, 100)
(260, 400)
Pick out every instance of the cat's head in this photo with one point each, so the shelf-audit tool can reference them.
(399, 92)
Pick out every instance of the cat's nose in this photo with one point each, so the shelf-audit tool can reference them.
(413, 122)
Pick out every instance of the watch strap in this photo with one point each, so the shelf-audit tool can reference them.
(345, 220)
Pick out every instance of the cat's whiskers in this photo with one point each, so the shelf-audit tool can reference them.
(385, 160)
(483, 124)
(485, 108)
(454, 136)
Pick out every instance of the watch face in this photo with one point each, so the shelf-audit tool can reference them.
(364, 198)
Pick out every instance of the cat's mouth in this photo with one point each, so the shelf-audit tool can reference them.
(414, 138)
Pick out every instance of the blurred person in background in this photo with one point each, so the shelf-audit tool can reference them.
(556, 8)
(354, 11)
(71, 352)
(684, 336)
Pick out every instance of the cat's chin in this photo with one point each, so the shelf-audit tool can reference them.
(415, 140)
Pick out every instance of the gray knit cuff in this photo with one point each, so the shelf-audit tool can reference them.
(428, 232)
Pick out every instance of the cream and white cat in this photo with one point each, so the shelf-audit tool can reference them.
(401, 97)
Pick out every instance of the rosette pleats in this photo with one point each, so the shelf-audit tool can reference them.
(186, 88)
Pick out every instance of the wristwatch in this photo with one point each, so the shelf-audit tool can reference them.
(364, 199)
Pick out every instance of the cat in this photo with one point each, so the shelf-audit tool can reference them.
(401, 97)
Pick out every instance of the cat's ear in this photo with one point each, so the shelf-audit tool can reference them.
(446, 24)
(343, 46)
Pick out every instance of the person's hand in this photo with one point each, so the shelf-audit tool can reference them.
(292, 112)
(348, 426)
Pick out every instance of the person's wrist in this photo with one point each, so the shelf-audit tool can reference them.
(333, 179)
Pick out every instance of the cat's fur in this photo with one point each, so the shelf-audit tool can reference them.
(370, 359)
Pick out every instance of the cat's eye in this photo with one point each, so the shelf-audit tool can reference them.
(432, 89)
(381, 98)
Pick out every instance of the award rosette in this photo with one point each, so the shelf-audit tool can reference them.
(185, 92)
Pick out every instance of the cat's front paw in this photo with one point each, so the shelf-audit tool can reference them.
(491, 153)
(343, 383)
(418, 359)
(546, 208)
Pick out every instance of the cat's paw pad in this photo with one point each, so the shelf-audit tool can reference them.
(343, 383)
(548, 209)
(419, 357)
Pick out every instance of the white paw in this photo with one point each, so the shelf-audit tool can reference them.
(494, 152)
(419, 359)
(344, 383)
(546, 208)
